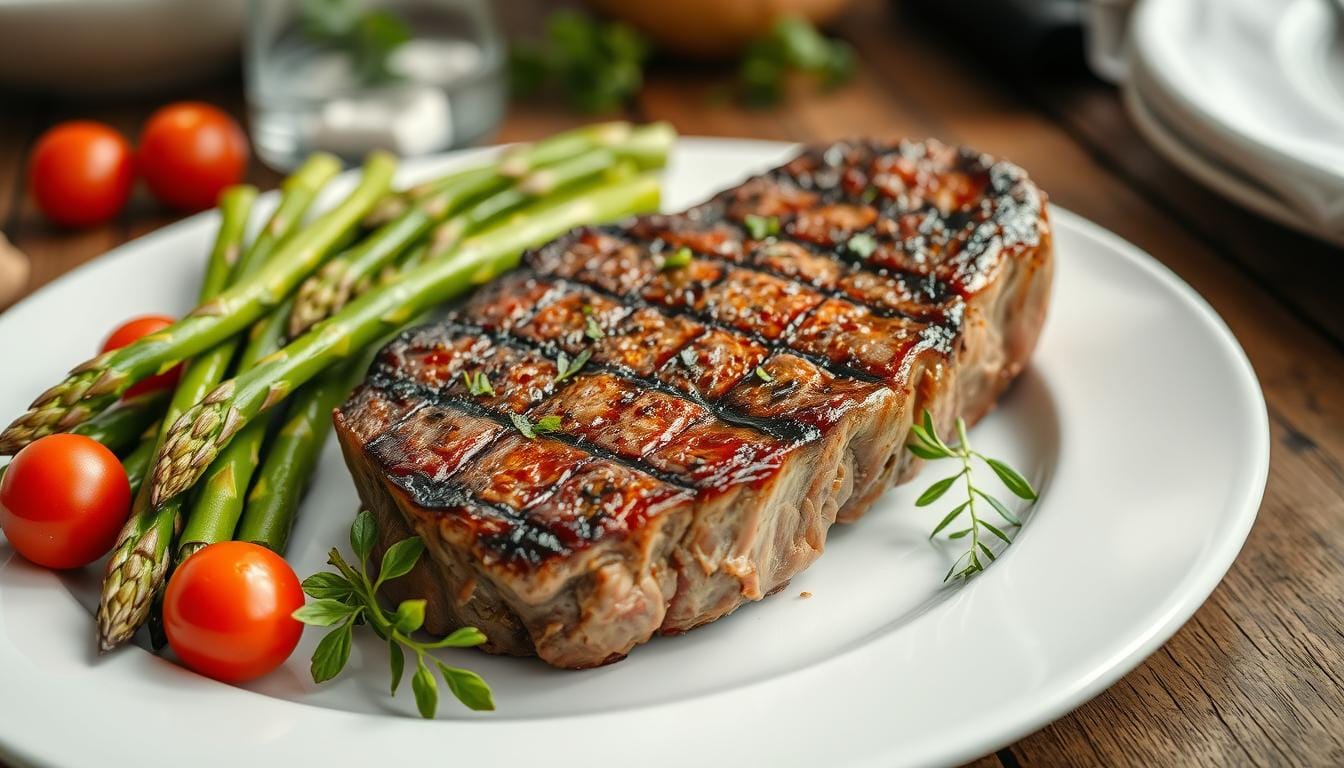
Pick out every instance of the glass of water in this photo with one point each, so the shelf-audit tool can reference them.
(348, 76)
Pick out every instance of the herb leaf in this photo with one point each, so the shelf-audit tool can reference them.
(677, 259)
(927, 444)
(477, 384)
(325, 612)
(332, 653)
(362, 534)
(466, 637)
(397, 660)
(1014, 481)
(329, 585)
(592, 330)
(468, 687)
(761, 227)
(547, 424)
(426, 690)
(998, 506)
(936, 490)
(565, 367)
(361, 606)
(400, 558)
(924, 452)
(862, 245)
(764, 375)
(523, 425)
(953, 515)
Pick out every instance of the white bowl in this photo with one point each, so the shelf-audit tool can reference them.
(85, 46)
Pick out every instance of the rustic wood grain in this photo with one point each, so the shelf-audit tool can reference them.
(1257, 676)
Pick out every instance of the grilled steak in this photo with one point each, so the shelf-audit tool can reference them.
(733, 408)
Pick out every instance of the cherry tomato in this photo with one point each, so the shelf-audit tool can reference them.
(227, 611)
(133, 329)
(63, 501)
(189, 152)
(81, 173)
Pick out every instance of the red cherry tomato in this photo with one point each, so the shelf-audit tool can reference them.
(189, 152)
(227, 611)
(133, 329)
(81, 173)
(63, 501)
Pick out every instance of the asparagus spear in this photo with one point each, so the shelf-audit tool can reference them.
(297, 193)
(137, 462)
(535, 185)
(96, 384)
(595, 151)
(218, 506)
(197, 437)
(138, 563)
(293, 455)
(121, 427)
(215, 511)
(332, 285)
(518, 160)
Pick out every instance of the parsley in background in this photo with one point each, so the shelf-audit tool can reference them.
(596, 66)
(793, 45)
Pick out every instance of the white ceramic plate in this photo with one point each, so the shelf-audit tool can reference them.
(1258, 84)
(1207, 170)
(1140, 420)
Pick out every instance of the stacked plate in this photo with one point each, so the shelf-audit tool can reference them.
(1247, 96)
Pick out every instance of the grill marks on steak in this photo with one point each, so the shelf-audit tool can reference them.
(732, 409)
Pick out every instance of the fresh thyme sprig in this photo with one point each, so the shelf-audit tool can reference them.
(349, 598)
(928, 445)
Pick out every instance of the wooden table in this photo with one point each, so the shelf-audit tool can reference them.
(1257, 676)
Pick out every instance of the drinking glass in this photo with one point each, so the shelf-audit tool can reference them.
(349, 76)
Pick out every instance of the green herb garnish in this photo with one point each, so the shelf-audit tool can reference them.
(677, 259)
(348, 598)
(596, 66)
(478, 384)
(592, 330)
(530, 430)
(565, 367)
(862, 245)
(793, 45)
(761, 227)
(928, 445)
(764, 375)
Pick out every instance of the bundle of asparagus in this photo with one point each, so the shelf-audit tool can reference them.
(293, 317)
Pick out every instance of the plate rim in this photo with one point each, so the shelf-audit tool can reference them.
(1206, 170)
(1197, 584)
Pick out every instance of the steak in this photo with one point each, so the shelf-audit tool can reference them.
(733, 407)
